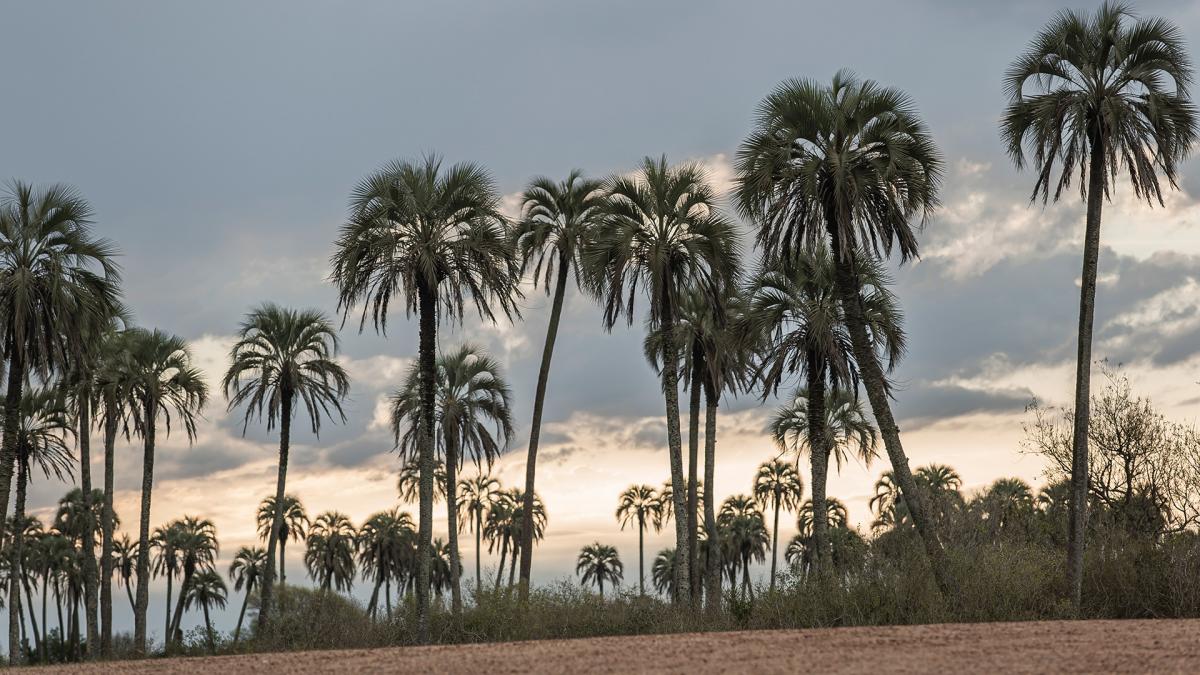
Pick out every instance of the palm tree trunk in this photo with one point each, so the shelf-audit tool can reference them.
(285, 437)
(90, 573)
(29, 607)
(177, 619)
(452, 458)
(208, 631)
(282, 567)
(535, 431)
(15, 572)
(1077, 519)
(819, 456)
(143, 558)
(775, 541)
(237, 631)
(8, 448)
(45, 622)
(712, 576)
(670, 374)
(512, 565)
(106, 534)
(746, 578)
(693, 560)
(873, 379)
(500, 569)
(167, 609)
(641, 555)
(373, 603)
(132, 604)
(427, 354)
(478, 557)
(62, 627)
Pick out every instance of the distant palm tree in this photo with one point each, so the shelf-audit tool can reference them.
(432, 238)
(503, 527)
(330, 553)
(196, 544)
(558, 221)
(853, 164)
(640, 505)
(247, 570)
(778, 484)
(294, 526)
(165, 542)
(835, 514)
(663, 234)
(383, 544)
(207, 590)
(662, 572)
(472, 418)
(165, 385)
(408, 483)
(598, 563)
(1105, 89)
(285, 359)
(479, 494)
(1008, 503)
(539, 519)
(443, 572)
(744, 536)
(125, 563)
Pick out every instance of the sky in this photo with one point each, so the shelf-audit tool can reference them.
(219, 142)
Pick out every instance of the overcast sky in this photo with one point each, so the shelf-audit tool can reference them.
(218, 143)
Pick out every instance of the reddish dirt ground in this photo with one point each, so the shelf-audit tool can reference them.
(1054, 646)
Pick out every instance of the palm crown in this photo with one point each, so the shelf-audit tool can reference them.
(558, 222)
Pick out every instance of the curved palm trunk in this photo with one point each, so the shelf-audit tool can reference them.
(106, 533)
(90, 581)
(535, 430)
(15, 572)
(712, 575)
(452, 455)
(1077, 518)
(129, 592)
(8, 446)
(873, 379)
(819, 455)
(683, 582)
(693, 559)
(237, 631)
(173, 630)
(143, 557)
(428, 369)
(285, 437)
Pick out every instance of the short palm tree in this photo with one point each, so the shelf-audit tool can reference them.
(285, 359)
(641, 506)
(165, 385)
(472, 418)
(383, 544)
(851, 164)
(1089, 94)
(478, 495)
(558, 221)
(835, 514)
(247, 570)
(779, 485)
(663, 234)
(744, 538)
(329, 556)
(207, 590)
(598, 563)
(294, 527)
(196, 546)
(662, 572)
(125, 564)
(433, 238)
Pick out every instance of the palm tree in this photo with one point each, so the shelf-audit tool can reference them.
(518, 520)
(558, 222)
(640, 504)
(662, 572)
(196, 546)
(598, 563)
(472, 417)
(408, 483)
(383, 542)
(329, 557)
(1091, 93)
(744, 536)
(295, 525)
(43, 426)
(125, 556)
(479, 494)
(165, 541)
(854, 163)
(247, 570)
(779, 484)
(285, 358)
(503, 527)
(443, 572)
(835, 514)
(165, 385)
(433, 238)
(662, 233)
(207, 590)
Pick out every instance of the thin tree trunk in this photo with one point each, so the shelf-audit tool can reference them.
(1077, 519)
(873, 379)
(106, 527)
(452, 459)
(237, 631)
(670, 374)
(693, 560)
(45, 622)
(775, 541)
(535, 430)
(15, 571)
(478, 558)
(427, 356)
(90, 573)
(712, 576)
(8, 447)
(641, 555)
(212, 647)
(500, 569)
(512, 566)
(373, 603)
(818, 448)
(143, 557)
(285, 437)
(177, 619)
(129, 592)
(167, 608)
(282, 567)
(30, 608)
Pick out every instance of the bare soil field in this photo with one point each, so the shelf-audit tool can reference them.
(1053, 646)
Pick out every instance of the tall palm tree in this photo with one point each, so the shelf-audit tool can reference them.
(558, 221)
(125, 555)
(247, 570)
(197, 548)
(778, 484)
(383, 542)
(43, 427)
(166, 386)
(294, 528)
(207, 590)
(479, 494)
(329, 556)
(598, 563)
(853, 164)
(284, 359)
(472, 417)
(434, 239)
(640, 505)
(1089, 94)
(663, 233)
